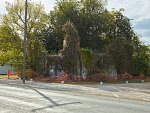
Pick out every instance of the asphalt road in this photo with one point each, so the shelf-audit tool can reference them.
(23, 99)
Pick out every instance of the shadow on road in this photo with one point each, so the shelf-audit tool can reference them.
(51, 101)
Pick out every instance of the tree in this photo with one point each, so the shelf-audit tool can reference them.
(95, 24)
(48, 37)
(87, 57)
(117, 25)
(10, 48)
(37, 20)
(86, 17)
(65, 10)
(141, 60)
(116, 51)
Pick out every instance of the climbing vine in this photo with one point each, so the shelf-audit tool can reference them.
(71, 50)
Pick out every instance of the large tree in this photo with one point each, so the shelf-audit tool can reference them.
(86, 17)
(118, 54)
(10, 47)
(37, 20)
(141, 60)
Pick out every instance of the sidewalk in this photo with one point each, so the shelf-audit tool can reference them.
(131, 91)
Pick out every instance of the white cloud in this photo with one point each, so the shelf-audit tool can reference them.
(146, 40)
(137, 9)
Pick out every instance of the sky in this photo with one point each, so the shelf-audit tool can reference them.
(138, 10)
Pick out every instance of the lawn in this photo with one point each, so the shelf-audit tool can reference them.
(124, 81)
(107, 82)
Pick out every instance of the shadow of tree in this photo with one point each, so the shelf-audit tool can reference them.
(50, 100)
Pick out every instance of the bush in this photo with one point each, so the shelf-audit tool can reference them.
(30, 74)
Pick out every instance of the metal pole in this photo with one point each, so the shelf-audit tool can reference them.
(25, 36)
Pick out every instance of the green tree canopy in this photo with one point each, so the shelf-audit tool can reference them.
(142, 61)
(10, 48)
(84, 15)
(37, 20)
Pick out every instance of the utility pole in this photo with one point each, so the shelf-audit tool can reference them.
(25, 36)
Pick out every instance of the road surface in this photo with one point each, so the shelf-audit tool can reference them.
(25, 99)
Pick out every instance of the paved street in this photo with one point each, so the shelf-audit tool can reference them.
(25, 99)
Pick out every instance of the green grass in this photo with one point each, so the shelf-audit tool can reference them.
(107, 82)
(124, 81)
(82, 83)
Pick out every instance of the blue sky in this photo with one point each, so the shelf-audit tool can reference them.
(134, 9)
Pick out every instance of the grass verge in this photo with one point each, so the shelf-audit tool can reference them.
(107, 82)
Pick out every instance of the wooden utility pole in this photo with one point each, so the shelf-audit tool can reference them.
(25, 36)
